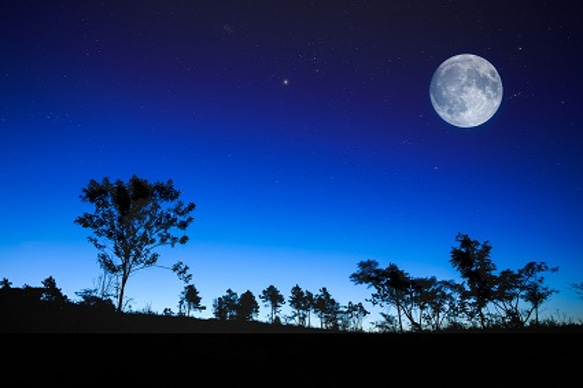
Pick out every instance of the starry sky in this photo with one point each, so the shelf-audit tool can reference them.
(302, 130)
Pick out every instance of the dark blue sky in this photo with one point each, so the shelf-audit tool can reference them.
(302, 130)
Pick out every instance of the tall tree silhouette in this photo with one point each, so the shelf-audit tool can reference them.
(274, 299)
(225, 307)
(247, 308)
(472, 260)
(327, 309)
(299, 304)
(309, 306)
(302, 303)
(130, 221)
(190, 300)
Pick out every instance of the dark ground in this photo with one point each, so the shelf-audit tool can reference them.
(302, 359)
(78, 343)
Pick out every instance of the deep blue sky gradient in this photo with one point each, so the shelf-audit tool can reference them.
(302, 130)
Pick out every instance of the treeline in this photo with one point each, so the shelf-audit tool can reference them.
(130, 220)
(303, 303)
(244, 308)
(485, 299)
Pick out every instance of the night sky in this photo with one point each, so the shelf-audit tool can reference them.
(302, 130)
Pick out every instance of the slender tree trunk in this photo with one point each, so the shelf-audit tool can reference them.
(119, 299)
(124, 280)
(399, 317)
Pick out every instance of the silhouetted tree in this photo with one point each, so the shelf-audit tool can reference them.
(5, 283)
(299, 303)
(272, 298)
(309, 306)
(429, 303)
(247, 307)
(523, 285)
(472, 260)
(357, 314)
(536, 292)
(352, 316)
(225, 307)
(52, 293)
(414, 296)
(424, 302)
(220, 309)
(190, 300)
(326, 308)
(130, 221)
(441, 298)
(393, 287)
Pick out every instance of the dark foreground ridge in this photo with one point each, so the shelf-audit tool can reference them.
(80, 335)
(75, 318)
(72, 318)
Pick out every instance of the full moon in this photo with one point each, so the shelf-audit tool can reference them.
(466, 90)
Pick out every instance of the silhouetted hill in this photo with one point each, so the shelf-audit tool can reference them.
(72, 318)
(87, 337)
(22, 311)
